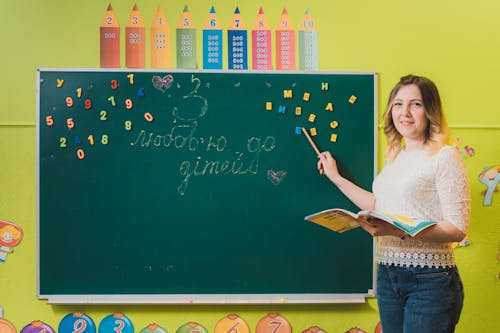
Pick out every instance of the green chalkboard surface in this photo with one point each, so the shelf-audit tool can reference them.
(180, 186)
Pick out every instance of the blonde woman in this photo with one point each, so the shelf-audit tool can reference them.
(418, 285)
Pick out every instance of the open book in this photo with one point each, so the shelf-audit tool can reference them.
(341, 220)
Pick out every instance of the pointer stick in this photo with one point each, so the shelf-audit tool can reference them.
(311, 141)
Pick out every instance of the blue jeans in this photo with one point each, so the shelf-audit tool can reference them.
(416, 299)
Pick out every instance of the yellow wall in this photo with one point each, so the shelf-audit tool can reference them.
(454, 42)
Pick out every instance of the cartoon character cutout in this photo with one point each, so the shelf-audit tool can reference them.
(490, 177)
(10, 235)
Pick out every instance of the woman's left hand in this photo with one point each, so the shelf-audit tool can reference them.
(377, 227)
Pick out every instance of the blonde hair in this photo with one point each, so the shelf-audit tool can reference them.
(437, 134)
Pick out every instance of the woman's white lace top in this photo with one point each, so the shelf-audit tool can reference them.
(420, 185)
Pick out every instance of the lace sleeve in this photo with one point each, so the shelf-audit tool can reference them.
(452, 185)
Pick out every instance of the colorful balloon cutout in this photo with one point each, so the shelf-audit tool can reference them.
(116, 323)
(6, 326)
(153, 328)
(76, 322)
(313, 329)
(273, 323)
(191, 327)
(232, 323)
(37, 326)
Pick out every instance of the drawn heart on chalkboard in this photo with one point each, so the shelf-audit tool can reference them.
(163, 83)
(276, 177)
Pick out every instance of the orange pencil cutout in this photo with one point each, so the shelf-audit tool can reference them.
(160, 40)
(285, 43)
(311, 141)
(109, 40)
(135, 44)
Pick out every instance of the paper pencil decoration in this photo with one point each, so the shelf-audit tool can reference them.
(308, 44)
(186, 41)
(237, 43)
(212, 42)
(261, 43)
(109, 40)
(285, 43)
(160, 40)
(135, 43)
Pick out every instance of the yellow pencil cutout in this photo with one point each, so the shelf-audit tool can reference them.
(311, 141)
(160, 40)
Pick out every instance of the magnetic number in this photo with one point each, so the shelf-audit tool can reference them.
(104, 139)
(62, 142)
(148, 116)
(114, 84)
(80, 153)
(69, 102)
(90, 138)
(131, 78)
(49, 121)
(70, 122)
(112, 100)
(78, 92)
(88, 104)
(104, 115)
(128, 103)
(128, 125)
(78, 141)
(79, 326)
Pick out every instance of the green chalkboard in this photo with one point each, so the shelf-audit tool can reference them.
(193, 186)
